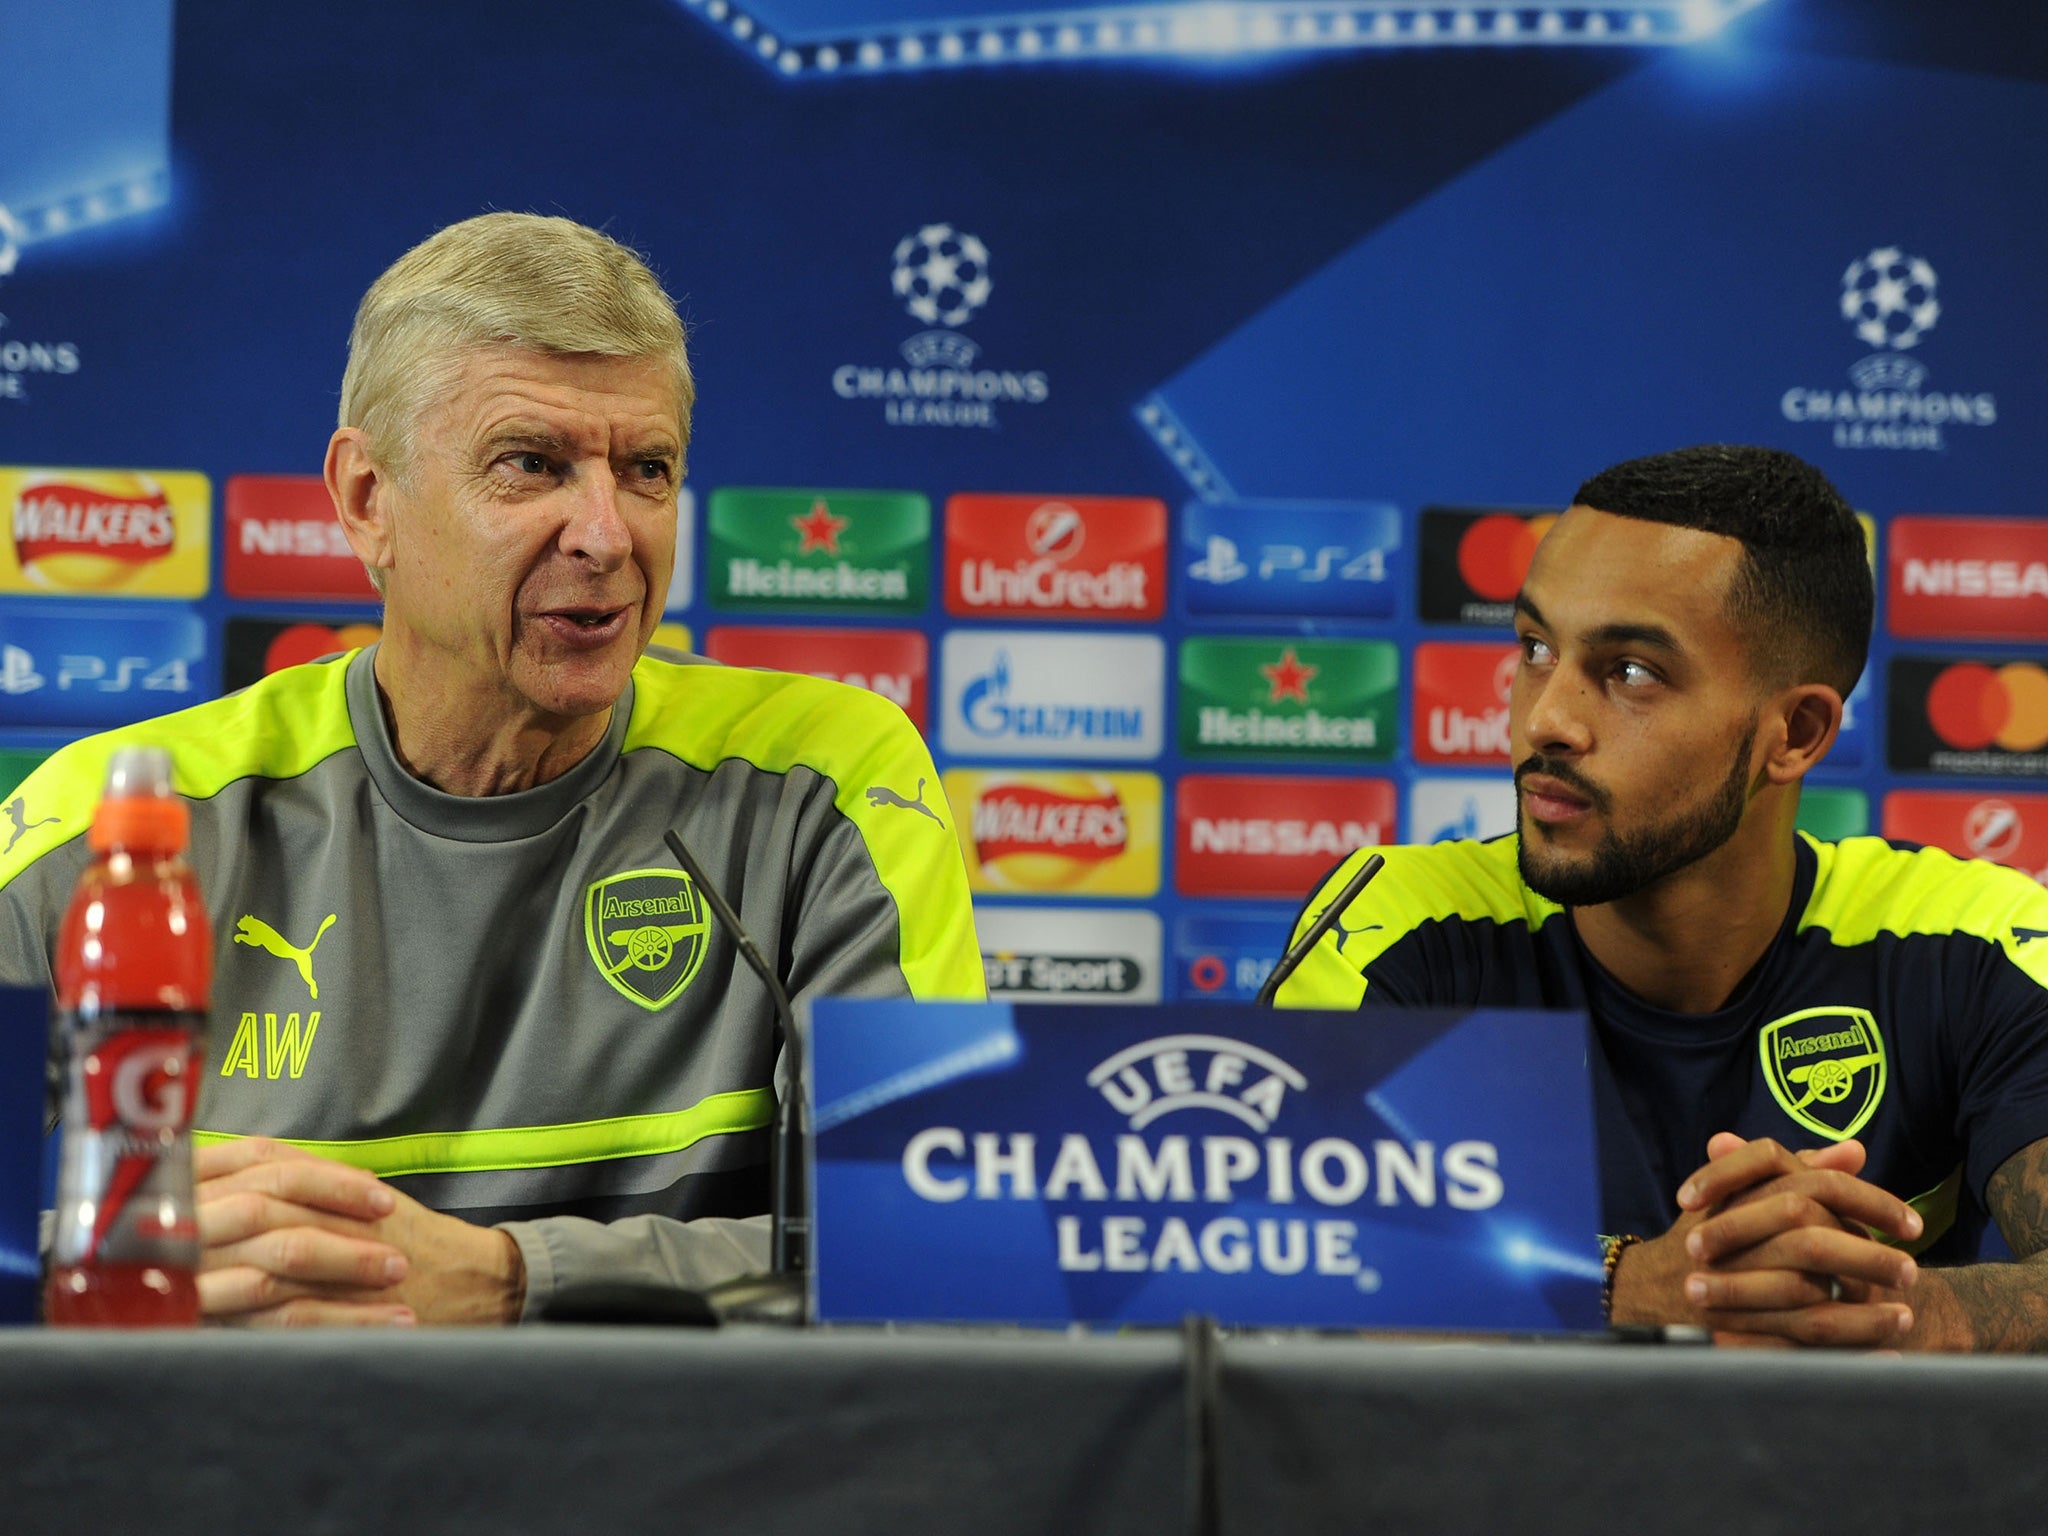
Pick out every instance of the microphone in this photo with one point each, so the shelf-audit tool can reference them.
(1298, 950)
(752, 1298)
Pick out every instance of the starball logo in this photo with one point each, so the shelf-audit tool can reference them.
(943, 277)
(1219, 1093)
(1889, 298)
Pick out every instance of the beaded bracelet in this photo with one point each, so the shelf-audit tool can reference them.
(1610, 1257)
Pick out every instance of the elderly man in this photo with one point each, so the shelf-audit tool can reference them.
(1811, 1061)
(477, 1037)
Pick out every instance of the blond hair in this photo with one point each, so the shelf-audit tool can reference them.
(501, 279)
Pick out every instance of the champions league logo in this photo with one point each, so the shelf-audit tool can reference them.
(942, 276)
(1890, 301)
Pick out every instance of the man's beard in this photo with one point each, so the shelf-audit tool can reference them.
(1623, 865)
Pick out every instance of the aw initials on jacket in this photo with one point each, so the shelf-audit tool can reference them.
(278, 1047)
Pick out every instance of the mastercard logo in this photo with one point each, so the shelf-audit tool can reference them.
(300, 643)
(1973, 706)
(1495, 551)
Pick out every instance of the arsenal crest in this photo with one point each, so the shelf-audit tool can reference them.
(1826, 1068)
(647, 929)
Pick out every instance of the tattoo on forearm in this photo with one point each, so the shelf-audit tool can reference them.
(2018, 1197)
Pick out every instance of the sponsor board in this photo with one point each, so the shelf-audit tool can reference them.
(1241, 835)
(1832, 814)
(1225, 954)
(1473, 809)
(2005, 827)
(1328, 559)
(1967, 578)
(1473, 560)
(1003, 1163)
(682, 576)
(1038, 557)
(93, 666)
(1069, 955)
(14, 767)
(892, 662)
(256, 647)
(1031, 694)
(1852, 743)
(1461, 701)
(673, 637)
(1026, 832)
(825, 551)
(1968, 716)
(283, 540)
(105, 533)
(1288, 698)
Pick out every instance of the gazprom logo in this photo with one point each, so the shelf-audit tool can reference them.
(1154, 1078)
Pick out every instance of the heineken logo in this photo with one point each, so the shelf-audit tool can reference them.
(646, 929)
(1287, 698)
(1826, 1068)
(843, 551)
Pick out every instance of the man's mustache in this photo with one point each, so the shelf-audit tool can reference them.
(1567, 775)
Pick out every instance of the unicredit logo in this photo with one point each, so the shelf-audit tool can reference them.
(1023, 818)
(1461, 701)
(56, 518)
(1100, 556)
(1973, 706)
(1993, 829)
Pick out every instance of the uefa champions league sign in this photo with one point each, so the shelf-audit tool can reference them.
(1055, 1164)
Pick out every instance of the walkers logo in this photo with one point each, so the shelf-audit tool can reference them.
(1245, 836)
(1080, 834)
(255, 648)
(1288, 699)
(1826, 1068)
(892, 662)
(647, 930)
(76, 665)
(833, 551)
(1461, 701)
(1026, 693)
(2006, 828)
(1950, 716)
(1889, 299)
(1026, 557)
(284, 541)
(1474, 561)
(1333, 559)
(1065, 954)
(942, 277)
(105, 532)
(1469, 809)
(1968, 578)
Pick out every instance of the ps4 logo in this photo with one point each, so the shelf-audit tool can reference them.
(1221, 563)
(1291, 557)
(18, 673)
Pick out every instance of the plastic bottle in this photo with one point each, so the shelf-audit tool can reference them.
(134, 965)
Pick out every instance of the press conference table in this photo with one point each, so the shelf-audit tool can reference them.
(640, 1430)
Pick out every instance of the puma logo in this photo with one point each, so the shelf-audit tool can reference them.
(258, 934)
(1346, 935)
(17, 812)
(881, 794)
(2028, 935)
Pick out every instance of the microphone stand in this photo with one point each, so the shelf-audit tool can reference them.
(1298, 950)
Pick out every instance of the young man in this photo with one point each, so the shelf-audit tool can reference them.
(477, 1037)
(1811, 1061)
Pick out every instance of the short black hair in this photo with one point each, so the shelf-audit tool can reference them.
(1803, 597)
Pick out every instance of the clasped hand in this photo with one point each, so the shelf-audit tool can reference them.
(1777, 1247)
(288, 1237)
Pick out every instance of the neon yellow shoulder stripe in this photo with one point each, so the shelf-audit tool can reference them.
(275, 729)
(1474, 882)
(1865, 887)
(540, 1146)
(779, 721)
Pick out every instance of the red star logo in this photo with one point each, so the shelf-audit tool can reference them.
(820, 528)
(1289, 676)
